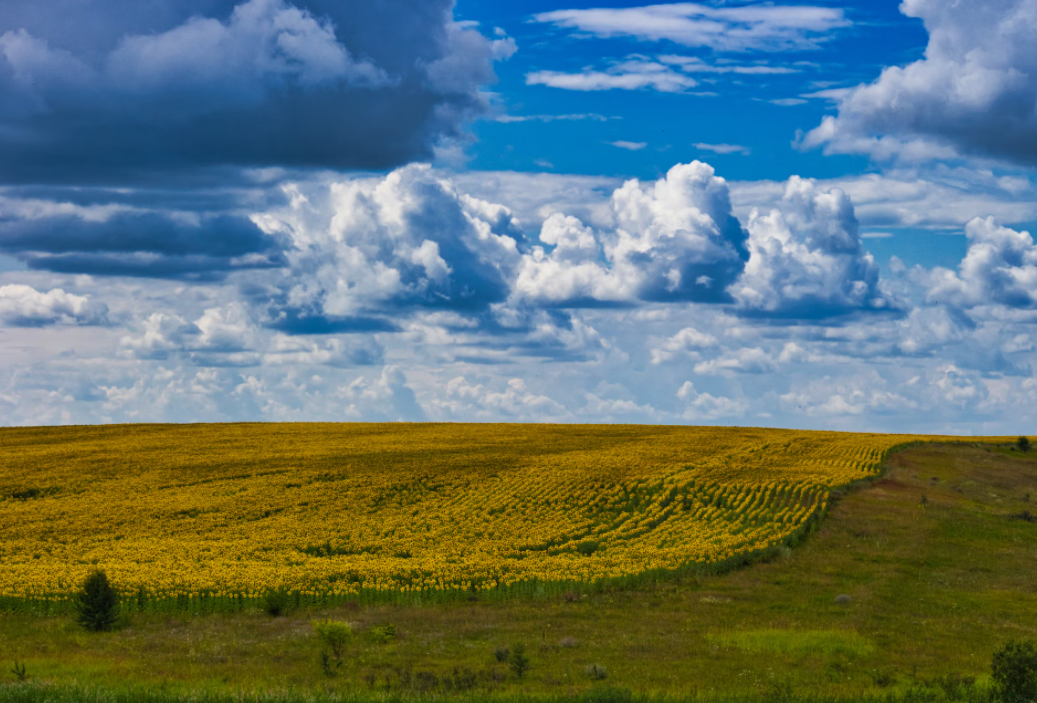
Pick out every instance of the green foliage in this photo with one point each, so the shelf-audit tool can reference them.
(383, 633)
(1023, 443)
(502, 654)
(1014, 671)
(518, 661)
(335, 636)
(275, 603)
(596, 672)
(19, 671)
(97, 603)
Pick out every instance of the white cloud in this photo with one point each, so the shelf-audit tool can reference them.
(722, 148)
(693, 64)
(628, 75)
(590, 116)
(806, 258)
(406, 241)
(24, 306)
(973, 94)
(629, 146)
(1000, 268)
(460, 398)
(754, 27)
(688, 341)
(674, 240)
(747, 360)
(704, 406)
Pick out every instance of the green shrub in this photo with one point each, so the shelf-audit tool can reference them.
(275, 603)
(383, 633)
(502, 654)
(97, 603)
(1023, 443)
(518, 661)
(596, 672)
(1015, 672)
(335, 637)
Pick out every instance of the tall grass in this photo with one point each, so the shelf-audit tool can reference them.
(827, 642)
(43, 693)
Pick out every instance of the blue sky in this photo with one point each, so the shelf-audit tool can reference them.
(810, 214)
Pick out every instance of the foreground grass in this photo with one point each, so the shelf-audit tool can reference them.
(935, 587)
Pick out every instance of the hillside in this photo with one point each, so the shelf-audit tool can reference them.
(936, 556)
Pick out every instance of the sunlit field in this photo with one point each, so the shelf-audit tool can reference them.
(212, 517)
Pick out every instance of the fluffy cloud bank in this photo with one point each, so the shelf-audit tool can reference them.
(24, 306)
(974, 93)
(999, 269)
(807, 258)
(179, 85)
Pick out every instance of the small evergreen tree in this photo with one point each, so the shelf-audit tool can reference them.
(1014, 670)
(518, 661)
(1023, 443)
(97, 603)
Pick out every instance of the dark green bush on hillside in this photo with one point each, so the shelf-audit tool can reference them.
(1023, 443)
(97, 603)
(1015, 672)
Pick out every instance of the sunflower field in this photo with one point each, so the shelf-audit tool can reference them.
(211, 517)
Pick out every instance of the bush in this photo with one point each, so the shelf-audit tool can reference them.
(1023, 443)
(518, 661)
(97, 603)
(1015, 672)
(383, 634)
(275, 603)
(502, 654)
(596, 672)
(335, 636)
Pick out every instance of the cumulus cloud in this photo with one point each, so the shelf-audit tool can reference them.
(514, 400)
(674, 240)
(387, 398)
(973, 94)
(755, 27)
(212, 82)
(368, 246)
(1000, 268)
(705, 406)
(738, 361)
(806, 258)
(688, 341)
(24, 306)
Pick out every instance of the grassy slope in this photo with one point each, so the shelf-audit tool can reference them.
(935, 590)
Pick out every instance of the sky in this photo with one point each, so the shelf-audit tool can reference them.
(809, 215)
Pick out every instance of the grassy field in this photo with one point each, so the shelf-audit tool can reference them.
(938, 571)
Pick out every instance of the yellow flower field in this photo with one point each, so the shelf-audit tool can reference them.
(234, 511)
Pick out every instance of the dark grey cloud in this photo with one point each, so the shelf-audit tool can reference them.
(129, 243)
(95, 91)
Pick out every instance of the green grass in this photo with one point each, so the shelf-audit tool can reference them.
(820, 642)
(935, 589)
